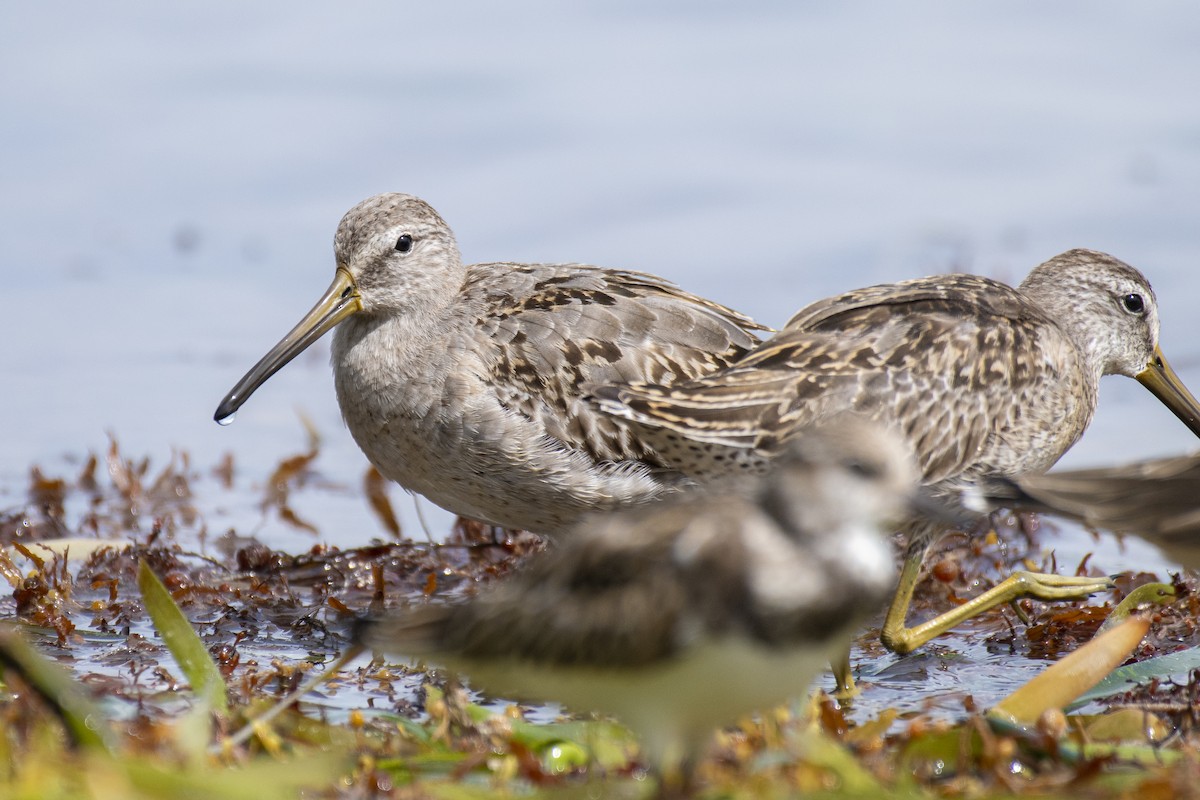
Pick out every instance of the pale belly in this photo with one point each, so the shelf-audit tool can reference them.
(673, 707)
(500, 470)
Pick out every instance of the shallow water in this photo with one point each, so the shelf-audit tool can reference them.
(173, 179)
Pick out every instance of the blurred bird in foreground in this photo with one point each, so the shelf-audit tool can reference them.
(983, 380)
(683, 615)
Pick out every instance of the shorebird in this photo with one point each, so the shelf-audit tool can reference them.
(982, 379)
(463, 383)
(683, 615)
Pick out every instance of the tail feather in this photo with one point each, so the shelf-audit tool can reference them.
(1157, 500)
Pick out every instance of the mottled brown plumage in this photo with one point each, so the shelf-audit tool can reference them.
(464, 383)
(981, 378)
(680, 616)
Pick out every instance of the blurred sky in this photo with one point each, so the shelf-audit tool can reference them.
(172, 175)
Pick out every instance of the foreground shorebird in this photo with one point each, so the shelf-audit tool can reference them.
(982, 379)
(463, 383)
(1157, 500)
(684, 615)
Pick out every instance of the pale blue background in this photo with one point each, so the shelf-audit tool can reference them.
(172, 176)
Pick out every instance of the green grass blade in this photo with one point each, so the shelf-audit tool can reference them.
(259, 780)
(1122, 679)
(75, 707)
(179, 637)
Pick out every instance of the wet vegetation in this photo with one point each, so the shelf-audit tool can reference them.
(140, 650)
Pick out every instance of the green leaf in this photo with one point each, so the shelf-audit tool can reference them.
(1122, 679)
(607, 743)
(79, 712)
(259, 780)
(823, 751)
(179, 637)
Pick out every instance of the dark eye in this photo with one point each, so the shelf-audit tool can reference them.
(863, 469)
(404, 243)
(1133, 303)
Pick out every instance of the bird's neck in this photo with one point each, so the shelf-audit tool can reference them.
(377, 356)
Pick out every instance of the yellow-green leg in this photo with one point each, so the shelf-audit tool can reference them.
(842, 676)
(1043, 586)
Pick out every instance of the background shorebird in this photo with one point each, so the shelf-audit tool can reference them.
(683, 615)
(463, 383)
(983, 380)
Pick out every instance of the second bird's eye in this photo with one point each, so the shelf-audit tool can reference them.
(404, 243)
(1133, 303)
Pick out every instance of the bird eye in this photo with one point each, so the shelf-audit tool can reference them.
(1133, 303)
(863, 469)
(404, 243)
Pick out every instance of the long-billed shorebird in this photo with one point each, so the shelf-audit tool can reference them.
(686, 614)
(982, 379)
(464, 383)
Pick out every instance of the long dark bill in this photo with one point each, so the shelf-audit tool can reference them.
(339, 301)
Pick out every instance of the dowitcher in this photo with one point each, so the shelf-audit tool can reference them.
(686, 614)
(463, 383)
(982, 379)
